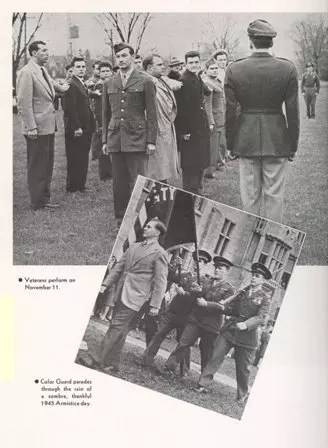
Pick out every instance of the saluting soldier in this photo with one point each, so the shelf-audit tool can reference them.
(256, 88)
(206, 319)
(129, 125)
(249, 308)
(310, 87)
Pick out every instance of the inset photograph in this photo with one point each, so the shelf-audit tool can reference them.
(190, 297)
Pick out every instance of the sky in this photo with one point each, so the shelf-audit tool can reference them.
(172, 34)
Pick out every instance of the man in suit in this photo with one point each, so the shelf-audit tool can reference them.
(205, 320)
(310, 87)
(249, 308)
(129, 125)
(36, 94)
(192, 125)
(256, 89)
(79, 126)
(140, 274)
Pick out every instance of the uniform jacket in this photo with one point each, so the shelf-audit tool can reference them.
(35, 100)
(214, 103)
(77, 112)
(260, 85)
(251, 308)
(210, 317)
(310, 80)
(129, 113)
(141, 274)
(191, 119)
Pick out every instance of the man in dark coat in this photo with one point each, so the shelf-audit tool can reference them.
(192, 126)
(310, 86)
(205, 320)
(79, 126)
(256, 89)
(129, 125)
(249, 308)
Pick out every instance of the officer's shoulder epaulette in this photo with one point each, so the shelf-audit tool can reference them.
(237, 60)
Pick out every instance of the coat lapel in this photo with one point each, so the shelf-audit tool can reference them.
(142, 252)
(79, 85)
(134, 77)
(39, 75)
(118, 81)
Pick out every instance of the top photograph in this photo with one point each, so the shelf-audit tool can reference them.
(231, 107)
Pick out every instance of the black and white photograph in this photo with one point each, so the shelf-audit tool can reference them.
(190, 297)
(229, 106)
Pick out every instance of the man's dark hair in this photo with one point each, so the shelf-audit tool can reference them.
(96, 63)
(210, 62)
(191, 54)
(34, 46)
(77, 59)
(159, 226)
(149, 60)
(262, 42)
(105, 64)
(137, 56)
(68, 67)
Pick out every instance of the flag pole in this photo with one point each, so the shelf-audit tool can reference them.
(196, 243)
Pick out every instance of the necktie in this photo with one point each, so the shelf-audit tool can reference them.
(45, 76)
(123, 79)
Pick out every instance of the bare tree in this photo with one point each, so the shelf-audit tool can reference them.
(20, 39)
(310, 38)
(221, 33)
(124, 27)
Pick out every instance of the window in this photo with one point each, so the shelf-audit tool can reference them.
(273, 255)
(224, 237)
(260, 225)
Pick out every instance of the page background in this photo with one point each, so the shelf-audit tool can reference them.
(289, 401)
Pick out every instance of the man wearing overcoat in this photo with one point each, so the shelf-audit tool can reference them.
(141, 274)
(192, 125)
(257, 130)
(129, 125)
(249, 308)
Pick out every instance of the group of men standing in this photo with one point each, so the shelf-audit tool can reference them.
(157, 125)
(198, 310)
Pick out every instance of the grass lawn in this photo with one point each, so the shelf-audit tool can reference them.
(83, 230)
(221, 398)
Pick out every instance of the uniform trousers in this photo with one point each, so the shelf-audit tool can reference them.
(192, 179)
(169, 322)
(310, 98)
(40, 163)
(243, 360)
(112, 345)
(126, 167)
(188, 338)
(262, 185)
(77, 154)
(104, 160)
(222, 153)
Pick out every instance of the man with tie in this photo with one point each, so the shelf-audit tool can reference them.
(141, 274)
(129, 125)
(35, 96)
(249, 308)
(79, 126)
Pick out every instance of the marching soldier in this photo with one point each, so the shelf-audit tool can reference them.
(257, 131)
(310, 87)
(206, 319)
(250, 308)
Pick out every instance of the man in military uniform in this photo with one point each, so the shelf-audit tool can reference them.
(256, 88)
(206, 319)
(129, 125)
(177, 312)
(250, 308)
(310, 87)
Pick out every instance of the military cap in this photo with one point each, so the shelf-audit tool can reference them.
(121, 46)
(175, 61)
(259, 268)
(202, 256)
(261, 28)
(221, 261)
(309, 64)
(219, 51)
